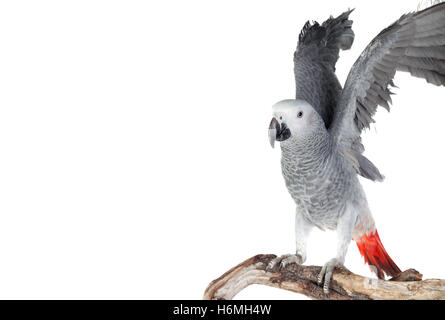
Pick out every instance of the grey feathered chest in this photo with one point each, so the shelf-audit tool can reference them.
(317, 179)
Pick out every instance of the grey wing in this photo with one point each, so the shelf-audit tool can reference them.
(416, 44)
(314, 63)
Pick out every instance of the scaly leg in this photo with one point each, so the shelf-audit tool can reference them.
(302, 230)
(345, 226)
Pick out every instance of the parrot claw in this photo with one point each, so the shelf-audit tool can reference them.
(326, 274)
(284, 261)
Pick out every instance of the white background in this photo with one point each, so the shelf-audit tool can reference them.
(134, 160)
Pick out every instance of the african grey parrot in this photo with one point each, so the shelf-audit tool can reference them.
(319, 131)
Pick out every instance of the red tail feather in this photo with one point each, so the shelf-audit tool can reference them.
(371, 248)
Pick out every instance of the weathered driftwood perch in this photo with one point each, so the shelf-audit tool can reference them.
(303, 279)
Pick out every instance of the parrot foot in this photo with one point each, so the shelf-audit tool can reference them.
(326, 274)
(283, 261)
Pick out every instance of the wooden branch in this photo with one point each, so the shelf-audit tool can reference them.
(345, 285)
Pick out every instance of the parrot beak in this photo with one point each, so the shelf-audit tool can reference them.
(278, 132)
(274, 129)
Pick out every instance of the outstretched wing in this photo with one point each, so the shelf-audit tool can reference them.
(416, 44)
(314, 63)
(323, 42)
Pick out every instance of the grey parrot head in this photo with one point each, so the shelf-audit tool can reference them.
(293, 120)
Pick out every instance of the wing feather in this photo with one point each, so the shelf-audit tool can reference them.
(416, 44)
(315, 59)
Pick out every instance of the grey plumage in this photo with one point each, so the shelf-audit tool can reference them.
(416, 44)
(319, 131)
(316, 174)
(316, 82)
(315, 59)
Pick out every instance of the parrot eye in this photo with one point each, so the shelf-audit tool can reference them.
(300, 114)
(281, 118)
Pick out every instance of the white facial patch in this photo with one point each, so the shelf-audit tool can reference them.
(288, 111)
